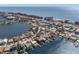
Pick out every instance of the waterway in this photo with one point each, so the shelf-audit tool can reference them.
(56, 47)
(7, 31)
(59, 46)
(66, 12)
(11, 30)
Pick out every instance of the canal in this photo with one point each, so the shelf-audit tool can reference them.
(59, 46)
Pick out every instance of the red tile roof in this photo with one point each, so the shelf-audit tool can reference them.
(1, 49)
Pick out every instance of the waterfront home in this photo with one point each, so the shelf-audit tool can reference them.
(16, 39)
(22, 36)
(70, 29)
(76, 34)
(10, 41)
(29, 44)
(35, 43)
(8, 45)
(73, 39)
(11, 17)
(67, 34)
(77, 30)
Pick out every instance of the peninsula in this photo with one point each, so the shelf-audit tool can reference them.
(44, 30)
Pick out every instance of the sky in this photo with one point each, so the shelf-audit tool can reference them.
(62, 5)
(65, 6)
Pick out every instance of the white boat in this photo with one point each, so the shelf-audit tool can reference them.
(76, 44)
(5, 40)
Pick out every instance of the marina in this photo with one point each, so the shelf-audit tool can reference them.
(13, 29)
(44, 32)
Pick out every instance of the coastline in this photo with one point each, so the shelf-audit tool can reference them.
(42, 31)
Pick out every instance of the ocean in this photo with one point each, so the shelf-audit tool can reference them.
(57, 12)
(58, 47)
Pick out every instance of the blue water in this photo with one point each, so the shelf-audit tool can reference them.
(8, 31)
(11, 30)
(60, 46)
(58, 12)
(56, 47)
